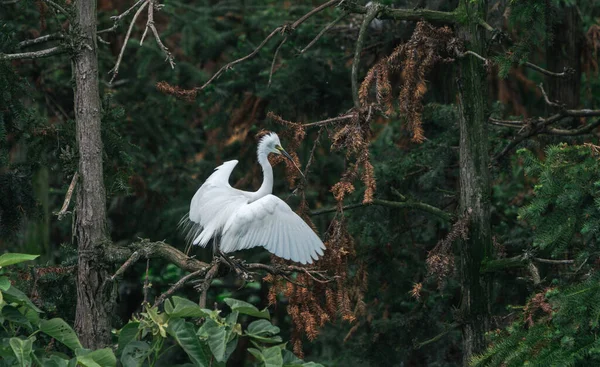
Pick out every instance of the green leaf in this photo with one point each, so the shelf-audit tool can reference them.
(246, 308)
(54, 361)
(62, 332)
(264, 331)
(127, 334)
(12, 294)
(184, 335)
(135, 353)
(272, 356)
(97, 358)
(22, 349)
(12, 258)
(4, 283)
(184, 308)
(13, 315)
(217, 342)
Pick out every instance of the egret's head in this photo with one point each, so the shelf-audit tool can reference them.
(270, 144)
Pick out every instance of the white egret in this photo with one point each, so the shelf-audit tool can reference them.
(240, 220)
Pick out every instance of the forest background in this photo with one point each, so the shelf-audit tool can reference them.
(451, 155)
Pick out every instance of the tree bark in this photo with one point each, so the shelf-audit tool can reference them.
(565, 51)
(94, 306)
(474, 186)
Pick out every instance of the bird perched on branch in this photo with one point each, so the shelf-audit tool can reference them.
(238, 220)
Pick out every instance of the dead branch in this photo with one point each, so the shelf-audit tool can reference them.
(115, 70)
(203, 286)
(58, 8)
(63, 210)
(150, 25)
(573, 132)
(180, 283)
(548, 102)
(391, 204)
(329, 121)
(323, 31)
(565, 73)
(117, 18)
(432, 16)
(372, 11)
(554, 262)
(34, 54)
(275, 59)
(42, 39)
(281, 29)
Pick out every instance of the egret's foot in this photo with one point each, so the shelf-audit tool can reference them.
(237, 265)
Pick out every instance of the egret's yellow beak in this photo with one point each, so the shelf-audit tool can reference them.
(288, 156)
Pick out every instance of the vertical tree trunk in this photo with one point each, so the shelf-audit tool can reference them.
(565, 51)
(474, 186)
(92, 319)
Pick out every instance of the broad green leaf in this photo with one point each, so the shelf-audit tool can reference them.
(230, 348)
(246, 308)
(97, 358)
(61, 331)
(4, 283)
(22, 349)
(13, 315)
(12, 294)
(217, 342)
(264, 331)
(54, 361)
(272, 356)
(12, 258)
(32, 316)
(160, 319)
(290, 359)
(127, 334)
(184, 308)
(185, 336)
(204, 330)
(257, 354)
(135, 353)
(232, 318)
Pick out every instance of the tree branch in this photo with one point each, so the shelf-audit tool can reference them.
(42, 39)
(115, 70)
(323, 31)
(63, 210)
(117, 18)
(392, 204)
(34, 54)
(372, 11)
(181, 282)
(404, 14)
(566, 71)
(329, 121)
(150, 24)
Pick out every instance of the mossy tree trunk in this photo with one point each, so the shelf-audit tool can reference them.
(474, 184)
(94, 306)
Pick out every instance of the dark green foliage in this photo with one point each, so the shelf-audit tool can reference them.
(565, 210)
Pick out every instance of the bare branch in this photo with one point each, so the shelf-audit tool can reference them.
(58, 8)
(391, 204)
(180, 283)
(150, 24)
(274, 59)
(34, 54)
(548, 102)
(404, 14)
(281, 29)
(566, 71)
(372, 12)
(115, 70)
(573, 132)
(42, 39)
(117, 18)
(205, 284)
(506, 123)
(554, 262)
(329, 121)
(63, 210)
(323, 31)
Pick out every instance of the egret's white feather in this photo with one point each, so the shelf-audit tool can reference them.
(244, 220)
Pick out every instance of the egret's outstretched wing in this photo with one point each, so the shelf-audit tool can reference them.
(213, 204)
(271, 223)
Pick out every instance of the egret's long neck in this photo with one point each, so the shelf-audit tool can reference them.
(267, 185)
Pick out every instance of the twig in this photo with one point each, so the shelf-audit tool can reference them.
(314, 11)
(275, 59)
(205, 284)
(392, 204)
(117, 18)
(135, 256)
(405, 14)
(419, 345)
(180, 283)
(34, 54)
(280, 29)
(506, 123)
(323, 31)
(150, 24)
(548, 102)
(573, 132)
(329, 121)
(372, 12)
(63, 210)
(115, 70)
(554, 262)
(42, 39)
(58, 7)
(566, 71)
(147, 284)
